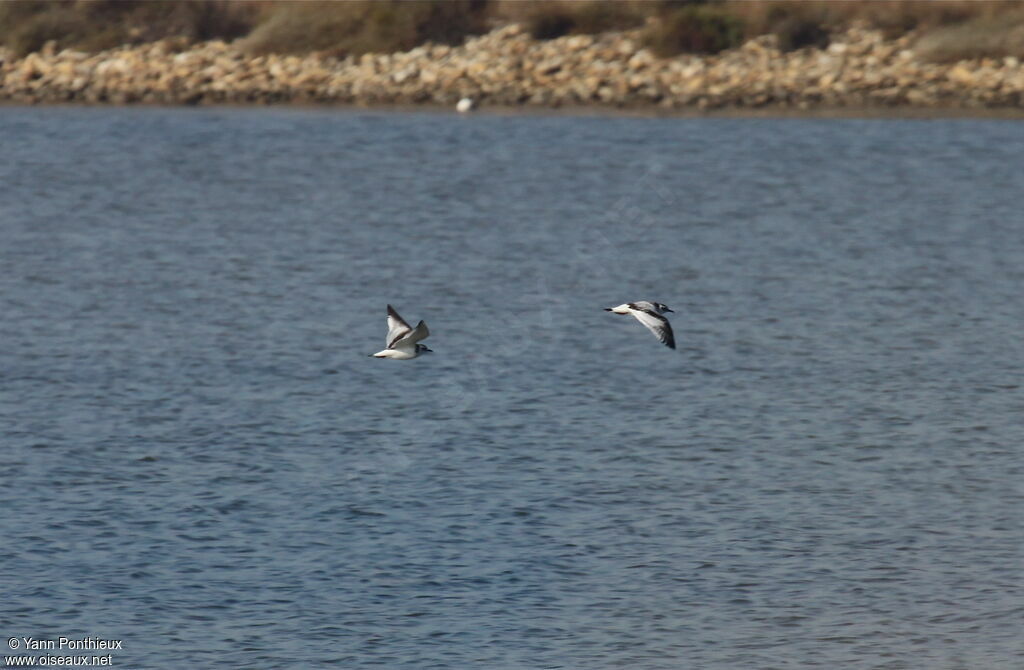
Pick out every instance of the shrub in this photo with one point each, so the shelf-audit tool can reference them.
(551, 23)
(547, 21)
(798, 32)
(703, 29)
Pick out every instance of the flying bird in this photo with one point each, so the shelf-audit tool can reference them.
(649, 314)
(403, 340)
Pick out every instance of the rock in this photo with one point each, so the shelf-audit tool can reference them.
(507, 66)
(961, 75)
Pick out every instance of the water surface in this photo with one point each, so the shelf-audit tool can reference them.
(200, 459)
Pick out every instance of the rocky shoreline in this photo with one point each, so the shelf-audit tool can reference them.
(859, 69)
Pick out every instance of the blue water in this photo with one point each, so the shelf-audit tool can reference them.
(200, 460)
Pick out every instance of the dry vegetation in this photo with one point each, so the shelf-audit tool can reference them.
(980, 37)
(342, 28)
(952, 29)
(93, 25)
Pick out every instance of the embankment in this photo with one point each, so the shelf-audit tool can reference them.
(507, 67)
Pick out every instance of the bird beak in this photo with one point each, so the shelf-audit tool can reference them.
(670, 310)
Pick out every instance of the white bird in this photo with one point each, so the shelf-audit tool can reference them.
(465, 105)
(403, 339)
(649, 314)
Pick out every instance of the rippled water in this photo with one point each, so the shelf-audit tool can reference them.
(200, 460)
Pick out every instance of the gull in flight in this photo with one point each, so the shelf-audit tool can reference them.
(649, 314)
(403, 340)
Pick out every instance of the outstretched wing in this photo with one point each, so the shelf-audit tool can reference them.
(658, 325)
(409, 338)
(397, 327)
(420, 332)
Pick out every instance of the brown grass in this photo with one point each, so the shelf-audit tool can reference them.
(894, 17)
(982, 37)
(92, 25)
(382, 26)
(955, 27)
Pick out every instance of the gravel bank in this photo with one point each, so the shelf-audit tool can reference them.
(506, 67)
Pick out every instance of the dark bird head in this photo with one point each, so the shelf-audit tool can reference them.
(664, 308)
(422, 348)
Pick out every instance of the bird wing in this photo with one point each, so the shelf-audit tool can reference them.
(397, 327)
(658, 325)
(418, 333)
